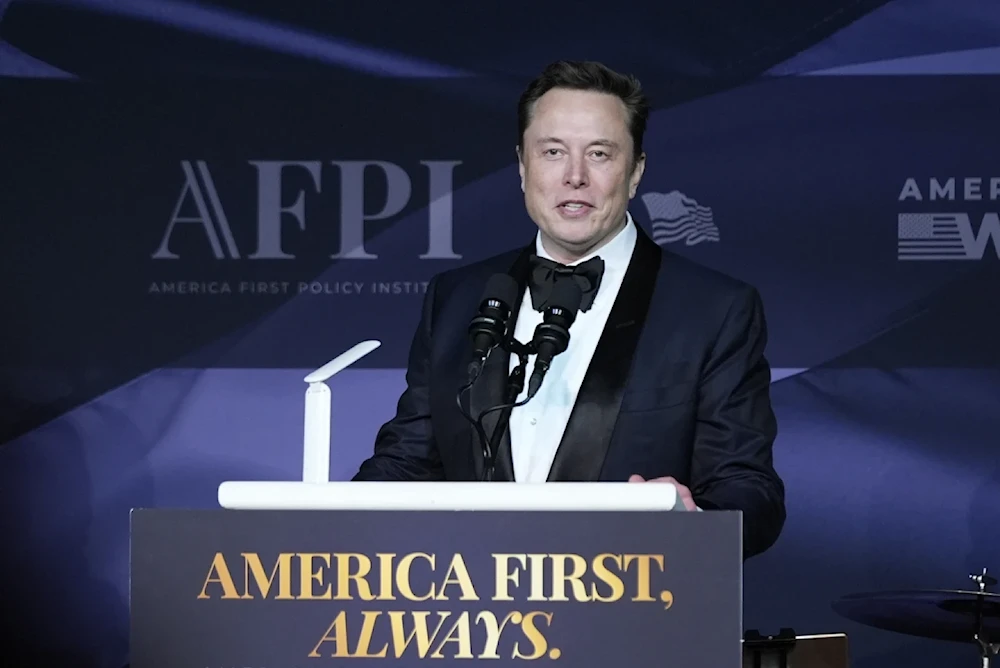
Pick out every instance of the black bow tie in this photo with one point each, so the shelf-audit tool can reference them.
(545, 273)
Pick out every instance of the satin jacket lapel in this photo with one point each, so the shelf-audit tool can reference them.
(585, 442)
(491, 387)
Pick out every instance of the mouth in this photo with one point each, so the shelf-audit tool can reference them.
(574, 205)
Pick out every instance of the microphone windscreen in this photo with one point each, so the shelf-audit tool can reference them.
(501, 287)
(566, 294)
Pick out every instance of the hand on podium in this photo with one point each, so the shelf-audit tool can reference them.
(683, 493)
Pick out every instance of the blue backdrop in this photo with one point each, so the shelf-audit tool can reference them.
(204, 200)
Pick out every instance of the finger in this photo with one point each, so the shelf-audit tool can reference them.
(636, 478)
(682, 491)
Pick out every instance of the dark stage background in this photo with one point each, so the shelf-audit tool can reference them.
(201, 201)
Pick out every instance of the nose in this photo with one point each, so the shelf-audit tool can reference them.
(576, 172)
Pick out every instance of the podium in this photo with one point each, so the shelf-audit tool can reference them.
(317, 573)
(624, 582)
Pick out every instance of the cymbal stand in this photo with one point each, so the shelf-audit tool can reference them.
(987, 650)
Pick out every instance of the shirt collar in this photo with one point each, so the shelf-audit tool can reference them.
(616, 253)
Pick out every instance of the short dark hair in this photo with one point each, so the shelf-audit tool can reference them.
(589, 76)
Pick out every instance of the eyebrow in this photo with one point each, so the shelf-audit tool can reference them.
(596, 142)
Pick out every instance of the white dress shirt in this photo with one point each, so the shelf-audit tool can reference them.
(537, 427)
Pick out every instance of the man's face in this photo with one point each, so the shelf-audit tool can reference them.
(577, 170)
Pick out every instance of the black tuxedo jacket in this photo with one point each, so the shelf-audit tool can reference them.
(678, 386)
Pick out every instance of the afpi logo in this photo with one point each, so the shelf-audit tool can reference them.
(345, 181)
(676, 217)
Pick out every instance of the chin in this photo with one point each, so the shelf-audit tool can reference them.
(577, 232)
(576, 239)
(576, 243)
(572, 234)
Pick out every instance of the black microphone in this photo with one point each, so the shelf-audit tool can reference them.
(490, 324)
(552, 335)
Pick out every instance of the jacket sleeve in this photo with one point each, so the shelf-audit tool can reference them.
(405, 449)
(732, 465)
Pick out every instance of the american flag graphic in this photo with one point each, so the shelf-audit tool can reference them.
(932, 236)
(677, 217)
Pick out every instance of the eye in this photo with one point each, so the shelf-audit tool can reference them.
(551, 152)
(599, 154)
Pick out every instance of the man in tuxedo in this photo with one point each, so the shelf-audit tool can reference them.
(664, 378)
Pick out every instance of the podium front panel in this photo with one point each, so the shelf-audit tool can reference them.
(284, 589)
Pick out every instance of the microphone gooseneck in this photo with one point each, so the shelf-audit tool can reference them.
(552, 335)
(487, 330)
(489, 326)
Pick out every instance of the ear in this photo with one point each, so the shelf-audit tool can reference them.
(637, 172)
(520, 165)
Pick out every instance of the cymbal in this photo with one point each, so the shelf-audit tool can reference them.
(940, 614)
